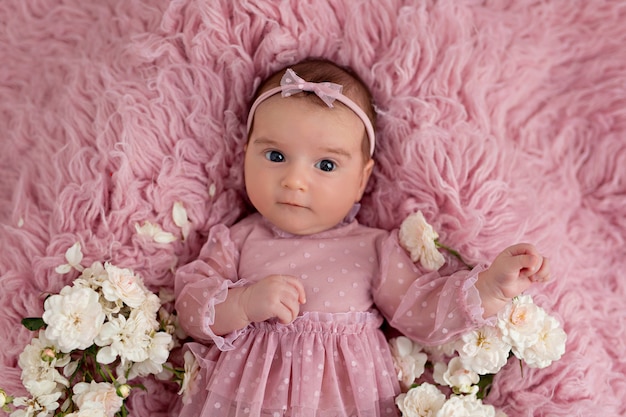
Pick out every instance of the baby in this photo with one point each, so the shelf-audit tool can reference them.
(286, 305)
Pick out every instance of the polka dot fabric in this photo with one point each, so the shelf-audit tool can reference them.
(333, 359)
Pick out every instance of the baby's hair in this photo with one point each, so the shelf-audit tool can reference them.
(321, 70)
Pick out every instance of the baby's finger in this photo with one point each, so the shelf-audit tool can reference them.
(522, 249)
(295, 283)
(528, 265)
(543, 274)
(288, 311)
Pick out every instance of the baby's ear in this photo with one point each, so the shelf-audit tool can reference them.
(365, 176)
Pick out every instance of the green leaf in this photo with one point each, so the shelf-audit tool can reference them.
(484, 385)
(33, 323)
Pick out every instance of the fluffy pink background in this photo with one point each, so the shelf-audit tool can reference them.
(501, 120)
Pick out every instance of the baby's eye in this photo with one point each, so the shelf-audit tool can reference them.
(326, 165)
(274, 156)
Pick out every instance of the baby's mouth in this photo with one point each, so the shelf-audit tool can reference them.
(291, 204)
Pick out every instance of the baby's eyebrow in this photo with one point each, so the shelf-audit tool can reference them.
(264, 141)
(337, 151)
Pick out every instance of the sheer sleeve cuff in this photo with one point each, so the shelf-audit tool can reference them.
(225, 342)
(470, 301)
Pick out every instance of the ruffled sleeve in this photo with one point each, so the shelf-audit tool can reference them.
(203, 283)
(426, 307)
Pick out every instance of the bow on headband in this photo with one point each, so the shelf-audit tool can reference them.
(291, 84)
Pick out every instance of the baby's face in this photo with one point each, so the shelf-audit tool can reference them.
(304, 168)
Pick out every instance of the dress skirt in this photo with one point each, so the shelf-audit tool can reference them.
(320, 365)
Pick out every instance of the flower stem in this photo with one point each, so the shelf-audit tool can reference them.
(178, 373)
(453, 252)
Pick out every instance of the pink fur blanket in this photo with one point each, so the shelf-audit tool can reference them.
(503, 121)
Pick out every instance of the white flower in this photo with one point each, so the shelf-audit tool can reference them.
(520, 322)
(41, 389)
(408, 359)
(459, 378)
(39, 361)
(418, 238)
(92, 276)
(123, 285)
(43, 403)
(158, 352)
(146, 314)
(121, 337)
(439, 352)
(483, 350)
(158, 349)
(466, 406)
(154, 232)
(549, 347)
(180, 219)
(73, 256)
(422, 401)
(191, 372)
(74, 318)
(97, 396)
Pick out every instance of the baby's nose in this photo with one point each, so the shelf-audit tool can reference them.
(295, 178)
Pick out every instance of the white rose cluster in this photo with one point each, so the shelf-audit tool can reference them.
(111, 308)
(535, 337)
(523, 329)
(426, 400)
(96, 334)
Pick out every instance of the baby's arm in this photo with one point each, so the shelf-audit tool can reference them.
(433, 309)
(275, 296)
(510, 274)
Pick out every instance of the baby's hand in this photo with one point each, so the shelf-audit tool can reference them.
(510, 274)
(275, 296)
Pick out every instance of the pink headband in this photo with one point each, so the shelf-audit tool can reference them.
(291, 84)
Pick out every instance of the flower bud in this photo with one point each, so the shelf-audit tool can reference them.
(5, 400)
(48, 354)
(123, 390)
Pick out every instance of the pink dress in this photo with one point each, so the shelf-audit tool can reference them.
(333, 360)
